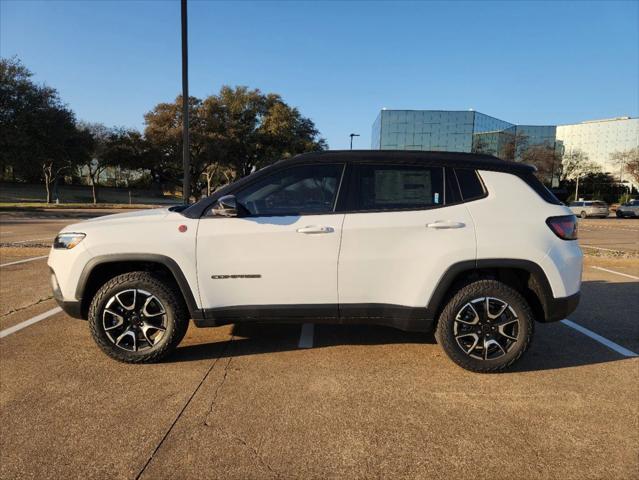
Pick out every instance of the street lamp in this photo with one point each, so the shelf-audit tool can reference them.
(353, 135)
(186, 184)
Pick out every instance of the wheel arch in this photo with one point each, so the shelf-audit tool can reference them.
(525, 276)
(102, 268)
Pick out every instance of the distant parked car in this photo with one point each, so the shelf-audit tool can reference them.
(585, 209)
(630, 209)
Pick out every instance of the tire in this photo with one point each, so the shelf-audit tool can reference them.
(516, 321)
(619, 214)
(583, 215)
(129, 333)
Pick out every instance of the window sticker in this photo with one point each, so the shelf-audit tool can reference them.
(402, 186)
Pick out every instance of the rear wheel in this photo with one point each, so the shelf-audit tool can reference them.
(485, 327)
(137, 318)
(583, 215)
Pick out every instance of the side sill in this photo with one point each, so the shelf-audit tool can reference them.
(412, 319)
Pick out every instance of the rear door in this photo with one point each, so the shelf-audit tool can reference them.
(405, 226)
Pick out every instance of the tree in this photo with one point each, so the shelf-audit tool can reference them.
(480, 145)
(574, 164)
(628, 162)
(163, 132)
(545, 158)
(259, 129)
(38, 134)
(514, 146)
(232, 133)
(99, 159)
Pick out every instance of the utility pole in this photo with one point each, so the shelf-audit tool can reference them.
(353, 135)
(186, 164)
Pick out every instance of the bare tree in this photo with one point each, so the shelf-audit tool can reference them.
(545, 158)
(217, 175)
(98, 161)
(576, 163)
(628, 162)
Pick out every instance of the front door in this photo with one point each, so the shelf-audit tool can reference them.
(282, 256)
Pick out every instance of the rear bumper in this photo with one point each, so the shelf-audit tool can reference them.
(622, 213)
(560, 308)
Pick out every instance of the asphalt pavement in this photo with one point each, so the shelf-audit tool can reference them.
(363, 401)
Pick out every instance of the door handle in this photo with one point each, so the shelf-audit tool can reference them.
(441, 224)
(311, 229)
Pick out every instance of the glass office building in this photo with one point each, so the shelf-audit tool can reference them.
(599, 139)
(470, 131)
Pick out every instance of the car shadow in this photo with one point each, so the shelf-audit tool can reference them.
(554, 345)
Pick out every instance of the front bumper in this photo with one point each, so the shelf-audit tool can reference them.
(71, 308)
(560, 308)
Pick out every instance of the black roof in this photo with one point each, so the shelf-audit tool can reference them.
(453, 159)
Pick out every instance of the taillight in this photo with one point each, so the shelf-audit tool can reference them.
(565, 227)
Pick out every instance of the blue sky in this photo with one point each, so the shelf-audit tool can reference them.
(338, 62)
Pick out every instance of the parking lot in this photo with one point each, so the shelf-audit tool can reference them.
(284, 401)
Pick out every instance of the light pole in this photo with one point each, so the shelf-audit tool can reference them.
(353, 135)
(186, 184)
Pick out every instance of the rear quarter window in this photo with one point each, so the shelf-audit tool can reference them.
(541, 190)
(469, 183)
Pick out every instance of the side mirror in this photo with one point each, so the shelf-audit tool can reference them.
(225, 206)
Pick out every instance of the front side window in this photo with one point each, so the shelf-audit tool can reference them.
(306, 189)
(396, 187)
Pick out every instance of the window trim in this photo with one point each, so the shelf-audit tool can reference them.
(235, 192)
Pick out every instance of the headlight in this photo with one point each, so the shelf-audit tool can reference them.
(68, 240)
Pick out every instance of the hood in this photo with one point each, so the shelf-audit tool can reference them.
(137, 214)
(135, 217)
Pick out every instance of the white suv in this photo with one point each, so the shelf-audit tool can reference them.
(414, 240)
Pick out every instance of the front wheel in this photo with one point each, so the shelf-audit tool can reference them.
(583, 215)
(137, 317)
(485, 327)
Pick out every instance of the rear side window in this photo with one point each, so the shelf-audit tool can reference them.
(469, 184)
(534, 183)
(395, 187)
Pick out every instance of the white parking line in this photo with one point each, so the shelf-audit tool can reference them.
(31, 321)
(306, 336)
(598, 248)
(24, 261)
(616, 273)
(31, 240)
(604, 341)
